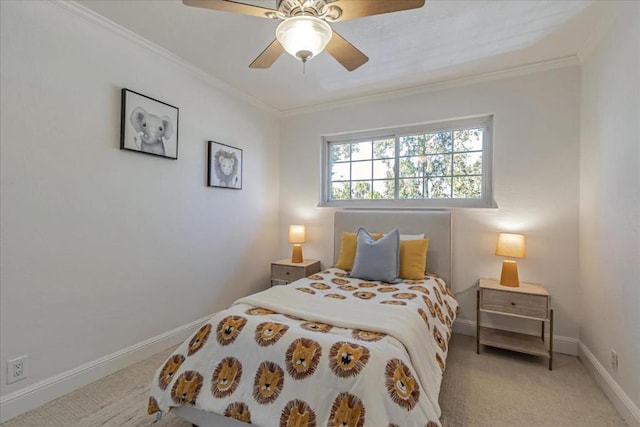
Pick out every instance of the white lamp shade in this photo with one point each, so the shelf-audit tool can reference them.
(511, 245)
(304, 36)
(297, 234)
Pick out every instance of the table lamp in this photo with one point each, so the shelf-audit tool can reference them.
(296, 236)
(510, 245)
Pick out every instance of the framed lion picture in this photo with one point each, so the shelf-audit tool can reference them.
(225, 166)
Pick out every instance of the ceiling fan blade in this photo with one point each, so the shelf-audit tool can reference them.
(232, 6)
(345, 53)
(268, 56)
(358, 8)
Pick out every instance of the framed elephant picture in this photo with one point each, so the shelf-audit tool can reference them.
(225, 166)
(148, 126)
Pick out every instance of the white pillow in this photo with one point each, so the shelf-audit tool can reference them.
(412, 236)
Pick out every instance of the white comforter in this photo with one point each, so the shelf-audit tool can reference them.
(321, 351)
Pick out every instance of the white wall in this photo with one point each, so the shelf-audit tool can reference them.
(537, 128)
(610, 200)
(103, 248)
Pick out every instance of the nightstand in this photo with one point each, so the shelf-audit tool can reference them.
(284, 271)
(528, 301)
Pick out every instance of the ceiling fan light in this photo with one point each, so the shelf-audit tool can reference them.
(304, 36)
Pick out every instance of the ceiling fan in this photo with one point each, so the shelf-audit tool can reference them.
(304, 31)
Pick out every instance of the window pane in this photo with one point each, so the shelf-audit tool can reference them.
(412, 145)
(340, 171)
(411, 189)
(361, 190)
(339, 152)
(384, 149)
(438, 165)
(384, 189)
(468, 187)
(340, 191)
(468, 140)
(438, 143)
(411, 167)
(361, 170)
(383, 169)
(361, 151)
(423, 165)
(438, 188)
(467, 164)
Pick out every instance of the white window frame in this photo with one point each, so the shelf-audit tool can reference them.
(486, 201)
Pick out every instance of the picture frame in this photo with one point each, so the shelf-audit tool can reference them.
(224, 166)
(148, 126)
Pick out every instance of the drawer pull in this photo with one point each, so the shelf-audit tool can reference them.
(512, 303)
(287, 273)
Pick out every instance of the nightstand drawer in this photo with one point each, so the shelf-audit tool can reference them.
(520, 304)
(285, 272)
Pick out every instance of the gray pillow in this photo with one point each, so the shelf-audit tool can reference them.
(377, 259)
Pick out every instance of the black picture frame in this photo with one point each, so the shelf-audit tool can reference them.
(224, 166)
(148, 126)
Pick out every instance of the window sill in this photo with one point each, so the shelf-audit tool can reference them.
(409, 204)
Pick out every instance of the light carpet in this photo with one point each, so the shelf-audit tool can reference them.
(501, 388)
(496, 388)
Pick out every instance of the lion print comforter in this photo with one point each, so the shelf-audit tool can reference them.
(326, 350)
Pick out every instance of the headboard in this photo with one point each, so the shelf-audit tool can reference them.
(436, 225)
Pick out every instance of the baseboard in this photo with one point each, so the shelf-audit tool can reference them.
(44, 391)
(623, 403)
(564, 345)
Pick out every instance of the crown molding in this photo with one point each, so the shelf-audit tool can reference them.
(603, 25)
(537, 67)
(98, 20)
(94, 18)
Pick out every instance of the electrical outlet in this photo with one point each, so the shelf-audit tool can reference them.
(614, 360)
(16, 369)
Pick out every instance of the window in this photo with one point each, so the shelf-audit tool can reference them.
(435, 165)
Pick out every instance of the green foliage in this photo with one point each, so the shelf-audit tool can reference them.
(361, 190)
(340, 191)
(384, 149)
(340, 153)
(431, 166)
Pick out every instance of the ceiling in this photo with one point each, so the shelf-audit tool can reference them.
(441, 41)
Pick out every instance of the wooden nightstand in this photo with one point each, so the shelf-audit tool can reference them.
(284, 271)
(528, 301)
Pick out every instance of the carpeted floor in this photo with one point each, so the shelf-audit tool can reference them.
(501, 388)
(496, 388)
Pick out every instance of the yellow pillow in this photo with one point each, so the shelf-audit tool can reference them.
(413, 258)
(348, 247)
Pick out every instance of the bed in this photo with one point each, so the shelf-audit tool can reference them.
(329, 349)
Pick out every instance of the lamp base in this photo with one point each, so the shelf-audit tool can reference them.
(509, 275)
(296, 254)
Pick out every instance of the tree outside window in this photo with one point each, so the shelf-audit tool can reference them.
(431, 165)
